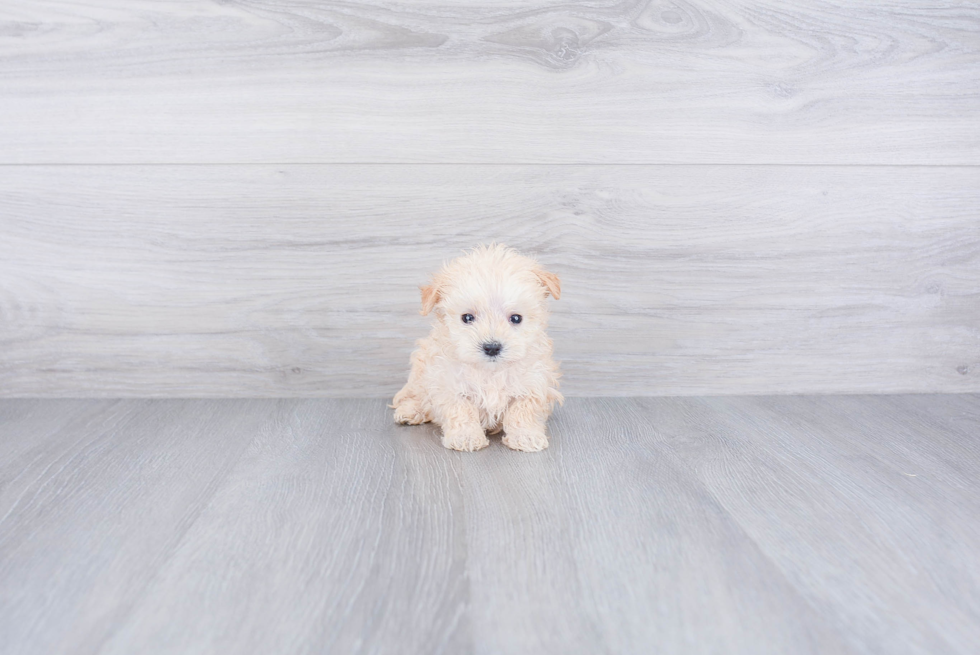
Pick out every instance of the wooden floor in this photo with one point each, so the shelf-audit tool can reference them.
(824, 524)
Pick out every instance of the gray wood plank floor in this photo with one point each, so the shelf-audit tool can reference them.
(830, 524)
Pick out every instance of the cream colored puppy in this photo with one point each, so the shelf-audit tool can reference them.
(487, 363)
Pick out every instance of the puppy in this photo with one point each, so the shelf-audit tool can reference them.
(487, 363)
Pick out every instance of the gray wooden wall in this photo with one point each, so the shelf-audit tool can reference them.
(240, 198)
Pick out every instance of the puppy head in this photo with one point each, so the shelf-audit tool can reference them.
(493, 303)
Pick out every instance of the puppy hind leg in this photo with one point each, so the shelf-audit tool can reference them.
(524, 425)
(461, 429)
(409, 409)
(410, 405)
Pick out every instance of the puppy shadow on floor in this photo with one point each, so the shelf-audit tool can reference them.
(428, 437)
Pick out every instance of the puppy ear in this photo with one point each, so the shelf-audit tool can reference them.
(430, 297)
(550, 282)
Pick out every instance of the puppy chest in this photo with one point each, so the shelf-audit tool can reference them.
(491, 393)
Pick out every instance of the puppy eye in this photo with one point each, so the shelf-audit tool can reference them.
(468, 318)
(515, 318)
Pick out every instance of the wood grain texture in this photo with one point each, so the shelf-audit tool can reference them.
(260, 81)
(353, 542)
(786, 469)
(95, 498)
(669, 525)
(302, 280)
(616, 548)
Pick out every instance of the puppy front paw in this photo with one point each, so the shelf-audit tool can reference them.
(529, 440)
(467, 438)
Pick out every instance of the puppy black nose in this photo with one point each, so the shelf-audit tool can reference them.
(492, 348)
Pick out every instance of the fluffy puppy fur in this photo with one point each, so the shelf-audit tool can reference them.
(487, 363)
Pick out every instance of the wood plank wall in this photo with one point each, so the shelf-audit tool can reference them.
(240, 198)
